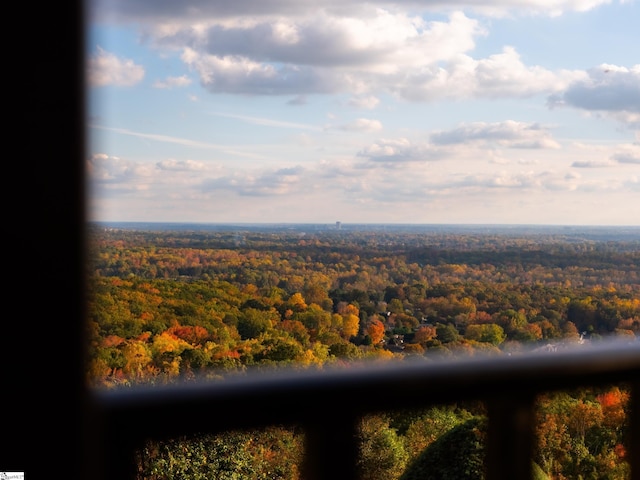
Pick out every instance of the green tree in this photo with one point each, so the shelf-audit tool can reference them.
(430, 425)
(458, 454)
(272, 453)
(447, 333)
(487, 333)
(252, 323)
(382, 452)
(278, 348)
(315, 319)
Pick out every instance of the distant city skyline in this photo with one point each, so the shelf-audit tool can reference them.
(426, 112)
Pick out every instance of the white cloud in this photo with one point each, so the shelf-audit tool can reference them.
(609, 89)
(522, 180)
(593, 164)
(633, 183)
(298, 100)
(383, 180)
(417, 78)
(365, 51)
(368, 102)
(241, 75)
(105, 68)
(622, 158)
(180, 165)
(631, 120)
(105, 169)
(198, 10)
(400, 150)
(488, 183)
(361, 125)
(358, 54)
(628, 154)
(278, 182)
(509, 134)
(502, 75)
(172, 82)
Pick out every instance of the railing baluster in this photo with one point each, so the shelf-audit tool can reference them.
(633, 455)
(331, 449)
(510, 437)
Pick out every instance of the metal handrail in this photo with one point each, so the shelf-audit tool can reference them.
(507, 384)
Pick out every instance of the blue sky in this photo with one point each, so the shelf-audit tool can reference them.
(477, 111)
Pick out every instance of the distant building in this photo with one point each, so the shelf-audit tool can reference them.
(338, 225)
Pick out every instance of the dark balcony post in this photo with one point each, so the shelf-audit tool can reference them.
(121, 460)
(634, 431)
(510, 438)
(331, 449)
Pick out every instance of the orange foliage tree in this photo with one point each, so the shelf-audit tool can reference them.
(375, 330)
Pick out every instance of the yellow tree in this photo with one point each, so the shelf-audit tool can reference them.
(296, 303)
(166, 349)
(350, 325)
(137, 357)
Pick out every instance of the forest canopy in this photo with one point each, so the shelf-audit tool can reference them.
(171, 303)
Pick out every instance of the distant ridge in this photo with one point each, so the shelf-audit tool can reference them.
(630, 232)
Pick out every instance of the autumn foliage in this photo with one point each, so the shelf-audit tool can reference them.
(186, 306)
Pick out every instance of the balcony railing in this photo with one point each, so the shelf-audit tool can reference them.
(114, 425)
(120, 422)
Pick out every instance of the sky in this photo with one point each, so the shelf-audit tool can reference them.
(414, 111)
